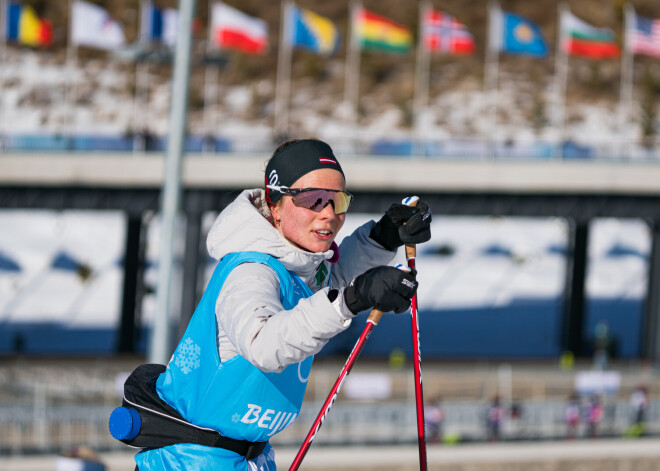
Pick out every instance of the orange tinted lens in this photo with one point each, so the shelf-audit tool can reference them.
(316, 200)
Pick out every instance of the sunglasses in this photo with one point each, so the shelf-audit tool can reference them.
(316, 198)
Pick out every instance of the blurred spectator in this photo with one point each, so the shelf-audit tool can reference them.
(515, 417)
(601, 345)
(494, 418)
(594, 416)
(516, 411)
(639, 403)
(572, 416)
(209, 143)
(149, 139)
(79, 458)
(434, 416)
(18, 343)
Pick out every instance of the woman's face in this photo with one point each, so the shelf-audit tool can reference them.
(303, 227)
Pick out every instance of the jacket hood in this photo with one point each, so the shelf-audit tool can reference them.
(246, 225)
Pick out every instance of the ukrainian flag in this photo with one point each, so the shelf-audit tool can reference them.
(314, 32)
(25, 27)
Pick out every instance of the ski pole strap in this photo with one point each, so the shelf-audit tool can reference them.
(411, 249)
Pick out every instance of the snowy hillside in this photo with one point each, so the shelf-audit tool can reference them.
(38, 90)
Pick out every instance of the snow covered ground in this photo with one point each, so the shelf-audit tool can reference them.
(68, 267)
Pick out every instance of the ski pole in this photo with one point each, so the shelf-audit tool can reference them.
(411, 254)
(372, 321)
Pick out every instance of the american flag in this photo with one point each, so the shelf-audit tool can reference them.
(645, 36)
(443, 33)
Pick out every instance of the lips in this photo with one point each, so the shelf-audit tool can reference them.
(324, 233)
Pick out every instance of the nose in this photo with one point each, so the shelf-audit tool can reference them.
(328, 210)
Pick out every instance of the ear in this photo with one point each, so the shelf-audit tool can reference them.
(274, 212)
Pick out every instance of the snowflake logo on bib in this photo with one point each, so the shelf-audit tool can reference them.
(187, 356)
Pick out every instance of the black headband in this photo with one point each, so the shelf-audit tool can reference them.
(296, 160)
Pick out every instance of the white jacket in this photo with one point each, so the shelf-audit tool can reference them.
(251, 320)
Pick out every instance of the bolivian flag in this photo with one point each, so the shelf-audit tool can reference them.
(375, 32)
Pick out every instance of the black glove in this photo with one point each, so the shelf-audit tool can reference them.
(391, 232)
(386, 288)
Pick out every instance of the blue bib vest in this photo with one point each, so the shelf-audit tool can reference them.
(233, 397)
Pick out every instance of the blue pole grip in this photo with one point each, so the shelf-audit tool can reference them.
(124, 423)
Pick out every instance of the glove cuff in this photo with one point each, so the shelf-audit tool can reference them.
(353, 301)
(386, 233)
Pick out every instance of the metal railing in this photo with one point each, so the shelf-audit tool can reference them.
(40, 415)
(362, 143)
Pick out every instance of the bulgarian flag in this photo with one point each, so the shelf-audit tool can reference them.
(375, 32)
(582, 39)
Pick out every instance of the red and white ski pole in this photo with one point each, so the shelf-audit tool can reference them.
(411, 254)
(372, 321)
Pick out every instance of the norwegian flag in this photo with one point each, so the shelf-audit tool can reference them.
(445, 34)
(645, 36)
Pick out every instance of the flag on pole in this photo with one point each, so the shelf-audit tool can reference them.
(159, 25)
(445, 34)
(375, 32)
(584, 40)
(644, 36)
(313, 32)
(514, 34)
(233, 29)
(92, 26)
(25, 27)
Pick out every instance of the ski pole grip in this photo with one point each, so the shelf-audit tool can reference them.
(374, 316)
(411, 249)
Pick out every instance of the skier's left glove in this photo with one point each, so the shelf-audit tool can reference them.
(403, 224)
(386, 288)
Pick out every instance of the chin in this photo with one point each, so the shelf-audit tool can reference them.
(323, 248)
(319, 247)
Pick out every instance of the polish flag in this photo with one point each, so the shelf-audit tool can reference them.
(233, 29)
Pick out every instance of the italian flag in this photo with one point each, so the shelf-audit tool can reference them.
(584, 40)
(379, 33)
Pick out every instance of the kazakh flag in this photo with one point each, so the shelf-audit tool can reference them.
(519, 35)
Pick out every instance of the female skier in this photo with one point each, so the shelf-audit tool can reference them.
(280, 291)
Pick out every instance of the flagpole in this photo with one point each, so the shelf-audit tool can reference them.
(283, 84)
(422, 72)
(561, 79)
(210, 91)
(138, 105)
(352, 76)
(627, 79)
(71, 60)
(492, 68)
(3, 71)
(159, 342)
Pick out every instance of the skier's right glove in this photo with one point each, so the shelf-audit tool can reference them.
(386, 288)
